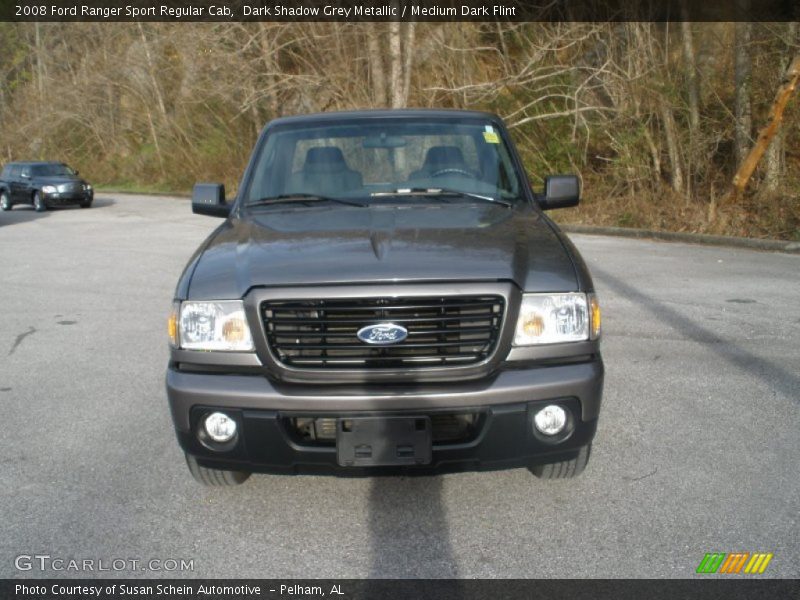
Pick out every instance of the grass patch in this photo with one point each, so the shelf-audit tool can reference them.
(131, 187)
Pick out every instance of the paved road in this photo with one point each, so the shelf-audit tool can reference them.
(697, 448)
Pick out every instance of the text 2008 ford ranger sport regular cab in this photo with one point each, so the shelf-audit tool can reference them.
(385, 292)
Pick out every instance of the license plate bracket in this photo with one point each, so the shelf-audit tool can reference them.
(383, 441)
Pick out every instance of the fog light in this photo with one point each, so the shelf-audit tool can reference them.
(550, 420)
(220, 427)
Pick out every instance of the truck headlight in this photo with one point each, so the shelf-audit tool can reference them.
(219, 325)
(552, 318)
(49, 189)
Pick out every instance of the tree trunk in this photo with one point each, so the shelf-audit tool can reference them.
(151, 70)
(396, 62)
(775, 159)
(408, 66)
(655, 153)
(690, 64)
(767, 132)
(269, 56)
(774, 163)
(742, 67)
(39, 63)
(376, 68)
(676, 171)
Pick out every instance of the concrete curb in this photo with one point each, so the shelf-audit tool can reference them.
(687, 238)
(181, 195)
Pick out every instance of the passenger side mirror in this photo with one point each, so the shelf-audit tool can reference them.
(560, 191)
(209, 199)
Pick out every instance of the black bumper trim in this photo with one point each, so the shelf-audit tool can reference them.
(505, 440)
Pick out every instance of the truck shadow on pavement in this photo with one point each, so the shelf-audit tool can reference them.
(408, 530)
(775, 376)
(103, 203)
(20, 214)
(24, 213)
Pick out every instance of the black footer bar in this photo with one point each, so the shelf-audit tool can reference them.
(406, 589)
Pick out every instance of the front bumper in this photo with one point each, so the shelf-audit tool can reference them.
(67, 198)
(505, 400)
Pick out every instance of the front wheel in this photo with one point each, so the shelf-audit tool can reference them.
(86, 203)
(38, 202)
(565, 469)
(5, 201)
(215, 477)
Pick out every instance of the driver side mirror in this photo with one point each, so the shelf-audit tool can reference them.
(560, 191)
(209, 199)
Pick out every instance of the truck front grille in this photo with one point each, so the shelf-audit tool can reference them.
(442, 331)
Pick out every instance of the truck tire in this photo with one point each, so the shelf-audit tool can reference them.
(565, 469)
(38, 202)
(5, 201)
(215, 477)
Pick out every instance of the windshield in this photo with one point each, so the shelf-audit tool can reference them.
(52, 171)
(381, 160)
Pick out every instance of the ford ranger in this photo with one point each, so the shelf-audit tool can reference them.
(385, 294)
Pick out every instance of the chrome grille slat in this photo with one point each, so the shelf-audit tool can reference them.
(442, 330)
(394, 320)
(352, 330)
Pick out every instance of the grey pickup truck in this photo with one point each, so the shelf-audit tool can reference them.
(385, 295)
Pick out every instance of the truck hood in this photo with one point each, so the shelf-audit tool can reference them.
(333, 245)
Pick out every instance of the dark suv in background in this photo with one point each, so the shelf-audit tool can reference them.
(385, 292)
(43, 185)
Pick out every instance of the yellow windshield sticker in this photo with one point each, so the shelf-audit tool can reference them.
(491, 137)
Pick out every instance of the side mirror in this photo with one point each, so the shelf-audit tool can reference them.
(560, 191)
(209, 199)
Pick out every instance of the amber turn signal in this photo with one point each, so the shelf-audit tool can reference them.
(172, 325)
(594, 305)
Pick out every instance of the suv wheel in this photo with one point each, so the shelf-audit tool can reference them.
(5, 202)
(215, 477)
(565, 469)
(38, 202)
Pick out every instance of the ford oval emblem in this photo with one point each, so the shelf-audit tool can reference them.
(382, 334)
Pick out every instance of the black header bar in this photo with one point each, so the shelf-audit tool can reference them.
(399, 10)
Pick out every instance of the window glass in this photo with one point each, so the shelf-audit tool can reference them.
(369, 157)
(53, 170)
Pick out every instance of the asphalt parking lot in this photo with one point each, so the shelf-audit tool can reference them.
(697, 448)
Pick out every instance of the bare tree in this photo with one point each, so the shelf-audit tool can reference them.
(692, 84)
(620, 103)
(742, 74)
(775, 159)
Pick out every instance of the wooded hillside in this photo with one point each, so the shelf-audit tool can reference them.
(654, 116)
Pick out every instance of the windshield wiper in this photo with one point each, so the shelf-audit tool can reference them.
(441, 192)
(289, 198)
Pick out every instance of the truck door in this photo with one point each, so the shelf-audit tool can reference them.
(22, 184)
(14, 183)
